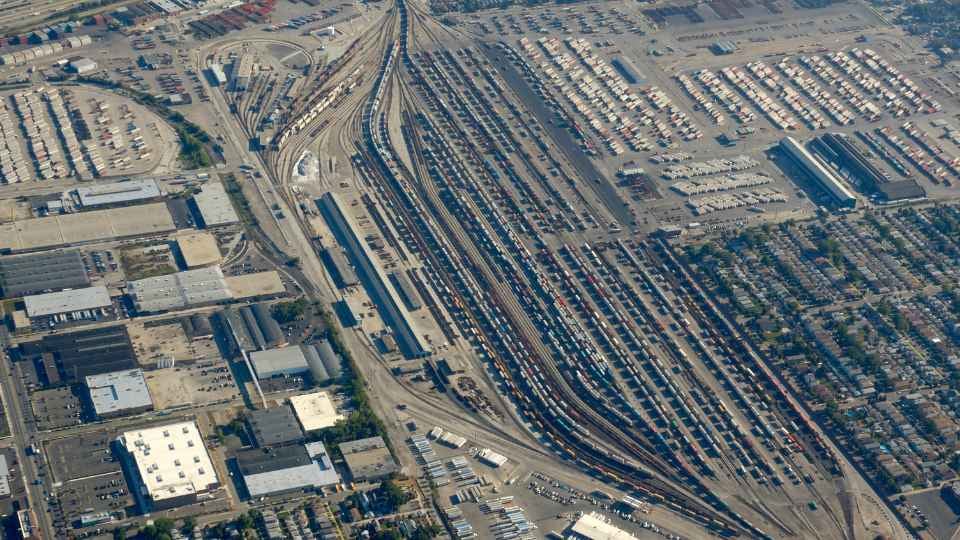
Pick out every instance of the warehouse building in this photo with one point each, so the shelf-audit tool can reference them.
(176, 291)
(71, 304)
(198, 249)
(272, 334)
(170, 465)
(315, 410)
(286, 469)
(409, 295)
(332, 363)
(252, 328)
(41, 272)
(318, 371)
(119, 393)
(594, 526)
(275, 426)
(71, 357)
(216, 76)
(214, 206)
(339, 267)
(118, 193)
(241, 72)
(373, 278)
(825, 178)
(849, 155)
(83, 66)
(369, 460)
(285, 361)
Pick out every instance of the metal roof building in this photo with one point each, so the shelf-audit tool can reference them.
(825, 178)
(272, 333)
(317, 369)
(331, 360)
(594, 526)
(315, 410)
(214, 205)
(368, 459)
(172, 464)
(339, 267)
(285, 469)
(26, 274)
(282, 361)
(88, 352)
(118, 192)
(179, 290)
(119, 393)
(253, 329)
(274, 426)
(401, 282)
(71, 301)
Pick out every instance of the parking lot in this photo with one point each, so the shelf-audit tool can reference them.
(204, 381)
(81, 456)
(105, 493)
(56, 408)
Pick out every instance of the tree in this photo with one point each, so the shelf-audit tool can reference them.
(394, 495)
(120, 533)
(285, 312)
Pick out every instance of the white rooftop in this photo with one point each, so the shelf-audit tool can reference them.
(594, 527)
(172, 460)
(118, 192)
(215, 206)
(179, 290)
(69, 301)
(118, 391)
(315, 411)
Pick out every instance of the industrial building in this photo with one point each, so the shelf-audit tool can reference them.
(216, 76)
(315, 410)
(272, 334)
(331, 361)
(849, 155)
(241, 72)
(721, 48)
(53, 270)
(593, 526)
(125, 192)
(373, 278)
(826, 179)
(198, 249)
(409, 295)
(274, 426)
(284, 361)
(71, 357)
(214, 206)
(286, 469)
(4, 476)
(182, 289)
(73, 303)
(119, 393)
(369, 460)
(83, 66)
(170, 464)
(339, 267)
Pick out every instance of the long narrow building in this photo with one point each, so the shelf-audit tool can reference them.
(825, 178)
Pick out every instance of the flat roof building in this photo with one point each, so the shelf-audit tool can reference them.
(79, 354)
(182, 289)
(594, 526)
(119, 393)
(171, 464)
(369, 459)
(274, 426)
(82, 66)
(214, 205)
(276, 362)
(118, 192)
(54, 270)
(825, 178)
(315, 410)
(71, 301)
(286, 469)
(198, 249)
(339, 267)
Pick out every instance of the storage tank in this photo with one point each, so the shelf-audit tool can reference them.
(330, 359)
(317, 369)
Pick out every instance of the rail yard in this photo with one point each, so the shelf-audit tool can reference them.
(433, 269)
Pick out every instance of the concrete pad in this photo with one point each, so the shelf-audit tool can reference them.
(85, 227)
(39, 232)
(257, 284)
(9, 238)
(141, 220)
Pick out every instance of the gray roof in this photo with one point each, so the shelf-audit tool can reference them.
(282, 361)
(118, 192)
(4, 476)
(118, 391)
(368, 458)
(275, 426)
(215, 206)
(39, 272)
(69, 301)
(285, 469)
(179, 290)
